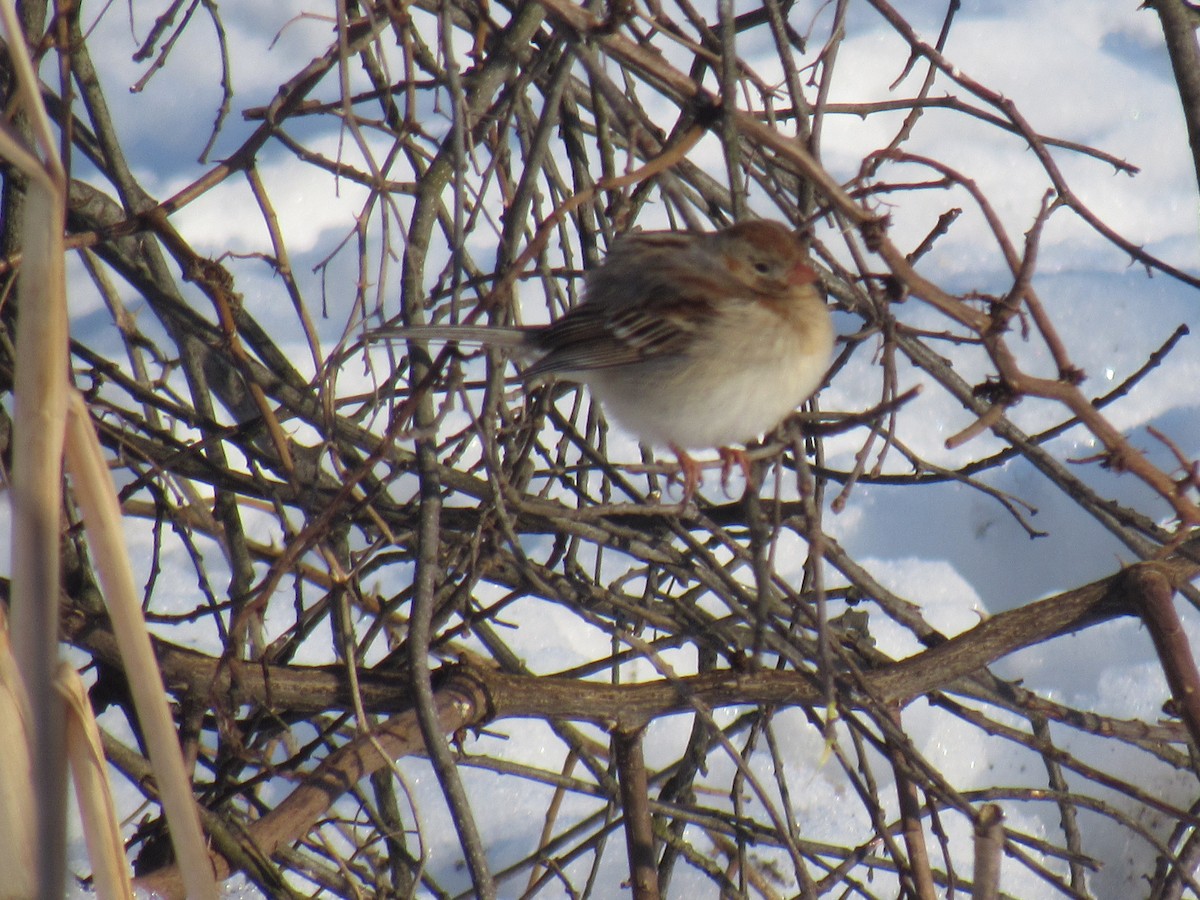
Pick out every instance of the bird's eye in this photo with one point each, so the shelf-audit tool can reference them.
(762, 268)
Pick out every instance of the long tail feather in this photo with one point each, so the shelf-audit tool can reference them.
(491, 335)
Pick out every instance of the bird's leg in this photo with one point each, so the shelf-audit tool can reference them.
(691, 475)
(731, 456)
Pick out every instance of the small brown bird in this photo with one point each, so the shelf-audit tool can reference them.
(688, 340)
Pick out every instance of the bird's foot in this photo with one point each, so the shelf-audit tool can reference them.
(731, 456)
(690, 469)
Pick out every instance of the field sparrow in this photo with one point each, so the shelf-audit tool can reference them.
(688, 340)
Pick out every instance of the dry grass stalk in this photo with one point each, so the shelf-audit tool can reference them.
(89, 769)
(41, 398)
(16, 789)
(97, 499)
(39, 391)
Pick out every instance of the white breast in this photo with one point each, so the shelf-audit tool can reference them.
(738, 383)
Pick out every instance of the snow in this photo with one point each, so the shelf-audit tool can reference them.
(1088, 72)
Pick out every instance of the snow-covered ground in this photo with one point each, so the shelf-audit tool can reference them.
(1078, 70)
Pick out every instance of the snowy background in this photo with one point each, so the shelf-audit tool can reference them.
(1095, 73)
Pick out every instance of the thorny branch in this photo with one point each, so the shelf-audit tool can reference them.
(402, 522)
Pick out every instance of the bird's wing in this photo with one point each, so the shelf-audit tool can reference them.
(594, 336)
